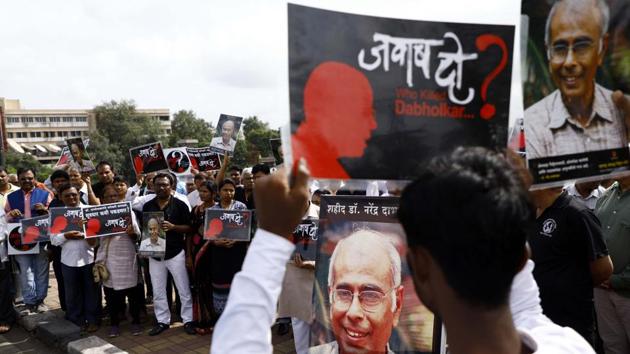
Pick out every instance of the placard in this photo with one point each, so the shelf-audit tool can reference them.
(65, 219)
(371, 98)
(232, 225)
(107, 219)
(148, 158)
(305, 239)
(226, 134)
(177, 160)
(204, 159)
(573, 127)
(34, 230)
(80, 158)
(361, 242)
(153, 242)
(15, 246)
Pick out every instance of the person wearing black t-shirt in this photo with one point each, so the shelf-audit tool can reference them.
(105, 173)
(571, 258)
(176, 224)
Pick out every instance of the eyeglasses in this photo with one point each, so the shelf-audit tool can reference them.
(370, 300)
(580, 49)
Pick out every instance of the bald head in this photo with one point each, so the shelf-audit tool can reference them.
(596, 9)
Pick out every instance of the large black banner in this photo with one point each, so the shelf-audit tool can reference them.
(372, 97)
(65, 219)
(148, 158)
(35, 229)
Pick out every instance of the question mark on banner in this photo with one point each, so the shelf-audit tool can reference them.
(483, 42)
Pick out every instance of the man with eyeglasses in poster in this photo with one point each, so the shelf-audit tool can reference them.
(580, 116)
(365, 292)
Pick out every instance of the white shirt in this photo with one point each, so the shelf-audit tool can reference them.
(74, 253)
(148, 246)
(589, 201)
(244, 326)
(193, 198)
(218, 143)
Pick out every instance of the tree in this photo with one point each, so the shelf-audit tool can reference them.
(257, 135)
(16, 160)
(118, 128)
(186, 125)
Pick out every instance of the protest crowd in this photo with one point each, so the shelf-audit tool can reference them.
(479, 250)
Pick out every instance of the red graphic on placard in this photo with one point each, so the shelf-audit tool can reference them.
(214, 229)
(138, 164)
(338, 119)
(483, 42)
(58, 225)
(93, 227)
(31, 234)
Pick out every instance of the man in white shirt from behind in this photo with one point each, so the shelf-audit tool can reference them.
(516, 326)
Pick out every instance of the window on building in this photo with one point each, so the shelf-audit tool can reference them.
(13, 119)
(26, 119)
(164, 118)
(54, 119)
(10, 135)
(68, 119)
(81, 119)
(21, 135)
(36, 134)
(40, 119)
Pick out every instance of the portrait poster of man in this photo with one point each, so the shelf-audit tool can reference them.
(148, 158)
(305, 239)
(107, 219)
(80, 158)
(576, 90)
(361, 253)
(15, 245)
(204, 159)
(177, 160)
(371, 97)
(232, 225)
(153, 242)
(65, 219)
(224, 141)
(35, 230)
(276, 150)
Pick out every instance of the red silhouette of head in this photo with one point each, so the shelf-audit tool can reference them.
(338, 105)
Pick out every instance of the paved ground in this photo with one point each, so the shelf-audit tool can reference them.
(18, 341)
(174, 340)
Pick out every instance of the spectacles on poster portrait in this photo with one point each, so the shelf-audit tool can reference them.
(370, 300)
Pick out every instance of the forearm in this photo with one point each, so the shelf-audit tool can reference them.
(244, 326)
(92, 200)
(57, 239)
(182, 229)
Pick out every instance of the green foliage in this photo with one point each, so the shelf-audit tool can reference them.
(186, 125)
(15, 160)
(257, 135)
(118, 128)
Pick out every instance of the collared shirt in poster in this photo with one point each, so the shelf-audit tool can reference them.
(107, 219)
(565, 238)
(35, 229)
(177, 213)
(551, 131)
(148, 158)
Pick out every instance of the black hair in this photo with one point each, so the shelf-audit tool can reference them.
(236, 168)
(199, 176)
(227, 181)
(65, 187)
(4, 169)
(59, 174)
(110, 186)
(118, 179)
(26, 169)
(104, 163)
(212, 187)
(260, 168)
(469, 210)
(165, 175)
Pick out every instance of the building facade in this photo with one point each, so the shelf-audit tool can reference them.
(43, 132)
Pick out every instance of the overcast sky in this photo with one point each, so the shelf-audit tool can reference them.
(211, 57)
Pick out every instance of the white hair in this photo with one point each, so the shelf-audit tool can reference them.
(604, 20)
(392, 255)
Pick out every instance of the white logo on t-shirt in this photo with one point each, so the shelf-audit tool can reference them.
(549, 226)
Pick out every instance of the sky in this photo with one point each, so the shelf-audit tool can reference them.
(208, 56)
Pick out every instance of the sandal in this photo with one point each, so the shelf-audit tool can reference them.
(4, 328)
